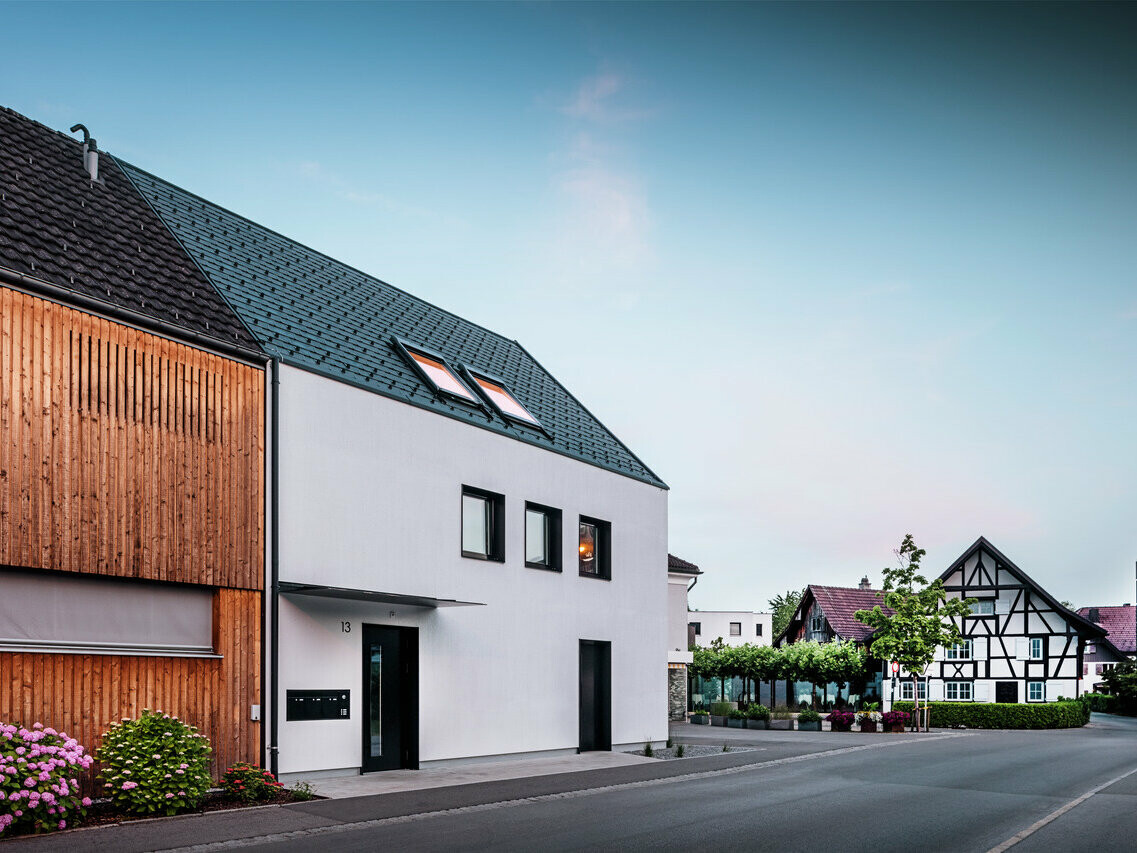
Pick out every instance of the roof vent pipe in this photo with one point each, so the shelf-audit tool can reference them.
(90, 152)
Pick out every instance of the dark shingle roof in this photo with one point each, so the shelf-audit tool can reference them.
(101, 239)
(681, 566)
(322, 315)
(1118, 620)
(839, 603)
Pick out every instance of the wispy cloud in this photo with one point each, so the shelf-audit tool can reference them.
(318, 173)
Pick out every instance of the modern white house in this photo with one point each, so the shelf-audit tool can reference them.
(681, 577)
(1020, 643)
(463, 561)
(734, 627)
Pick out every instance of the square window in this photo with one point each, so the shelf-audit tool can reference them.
(698, 626)
(957, 691)
(960, 651)
(483, 524)
(906, 690)
(1035, 691)
(595, 548)
(435, 372)
(983, 608)
(542, 537)
(816, 623)
(1036, 648)
(736, 629)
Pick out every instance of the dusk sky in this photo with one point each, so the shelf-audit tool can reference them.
(835, 273)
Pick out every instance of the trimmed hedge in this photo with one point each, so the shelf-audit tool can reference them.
(994, 715)
(1100, 702)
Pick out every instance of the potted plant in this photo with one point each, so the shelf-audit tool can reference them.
(719, 712)
(894, 721)
(757, 717)
(736, 719)
(808, 721)
(781, 717)
(700, 718)
(866, 721)
(841, 721)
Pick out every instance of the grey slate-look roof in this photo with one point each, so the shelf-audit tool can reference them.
(319, 314)
(100, 240)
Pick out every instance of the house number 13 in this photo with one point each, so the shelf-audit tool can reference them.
(345, 627)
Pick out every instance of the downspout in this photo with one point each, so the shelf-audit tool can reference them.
(274, 577)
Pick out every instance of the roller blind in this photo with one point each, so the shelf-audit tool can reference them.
(49, 611)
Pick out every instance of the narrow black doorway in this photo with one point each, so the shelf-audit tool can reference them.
(390, 698)
(595, 695)
(1006, 691)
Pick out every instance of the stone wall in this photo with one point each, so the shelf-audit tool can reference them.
(677, 693)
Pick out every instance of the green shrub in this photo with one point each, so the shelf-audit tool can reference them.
(1100, 702)
(721, 709)
(154, 765)
(757, 712)
(700, 713)
(248, 783)
(736, 714)
(302, 791)
(680, 749)
(809, 716)
(993, 715)
(781, 712)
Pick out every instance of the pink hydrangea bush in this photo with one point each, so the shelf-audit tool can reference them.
(154, 765)
(39, 791)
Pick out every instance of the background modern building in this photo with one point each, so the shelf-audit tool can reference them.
(681, 577)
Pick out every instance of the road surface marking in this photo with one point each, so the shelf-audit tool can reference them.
(1057, 813)
(235, 843)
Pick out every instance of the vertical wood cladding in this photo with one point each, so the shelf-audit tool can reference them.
(126, 454)
(84, 695)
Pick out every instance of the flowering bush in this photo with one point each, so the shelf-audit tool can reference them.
(38, 788)
(249, 783)
(841, 719)
(154, 765)
(891, 718)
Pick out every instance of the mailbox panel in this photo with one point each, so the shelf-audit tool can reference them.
(318, 705)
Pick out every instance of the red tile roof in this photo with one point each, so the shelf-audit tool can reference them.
(839, 603)
(1118, 620)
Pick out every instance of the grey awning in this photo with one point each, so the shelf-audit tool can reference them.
(375, 596)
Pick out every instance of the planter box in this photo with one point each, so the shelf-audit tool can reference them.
(699, 720)
(718, 721)
(809, 727)
(732, 723)
(782, 725)
(758, 724)
(844, 728)
(898, 728)
(868, 727)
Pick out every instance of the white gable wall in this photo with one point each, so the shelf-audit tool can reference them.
(370, 499)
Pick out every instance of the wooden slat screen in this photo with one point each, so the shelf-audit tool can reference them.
(123, 453)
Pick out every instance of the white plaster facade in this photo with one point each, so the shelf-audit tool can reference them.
(370, 499)
(753, 627)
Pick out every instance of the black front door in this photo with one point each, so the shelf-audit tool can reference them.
(1006, 691)
(595, 695)
(390, 698)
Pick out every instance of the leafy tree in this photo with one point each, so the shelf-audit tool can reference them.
(783, 607)
(1121, 681)
(921, 619)
(712, 662)
(842, 663)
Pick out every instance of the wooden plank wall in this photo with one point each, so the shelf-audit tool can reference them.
(84, 695)
(123, 453)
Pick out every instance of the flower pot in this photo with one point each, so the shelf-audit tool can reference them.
(898, 728)
(809, 727)
(782, 725)
(868, 727)
(700, 720)
(758, 724)
(734, 723)
(716, 720)
(839, 727)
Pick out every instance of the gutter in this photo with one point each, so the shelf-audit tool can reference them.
(274, 578)
(72, 298)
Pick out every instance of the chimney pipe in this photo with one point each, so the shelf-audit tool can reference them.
(864, 584)
(90, 152)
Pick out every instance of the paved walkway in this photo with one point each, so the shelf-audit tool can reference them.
(490, 770)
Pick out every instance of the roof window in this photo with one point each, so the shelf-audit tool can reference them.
(498, 396)
(434, 370)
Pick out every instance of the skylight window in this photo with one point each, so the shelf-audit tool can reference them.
(433, 368)
(500, 398)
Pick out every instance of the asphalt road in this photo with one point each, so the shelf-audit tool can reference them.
(972, 791)
(966, 793)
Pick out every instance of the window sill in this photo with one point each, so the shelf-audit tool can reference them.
(542, 567)
(470, 555)
(594, 576)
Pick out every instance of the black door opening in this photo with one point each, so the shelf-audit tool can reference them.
(595, 695)
(1006, 691)
(390, 698)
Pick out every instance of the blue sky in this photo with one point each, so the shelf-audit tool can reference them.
(836, 273)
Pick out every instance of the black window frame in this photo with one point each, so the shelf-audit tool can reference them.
(553, 541)
(496, 532)
(698, 626)
(471, 375)
(730, 629)
(757, 629)
(405, 348)
(602, 550)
